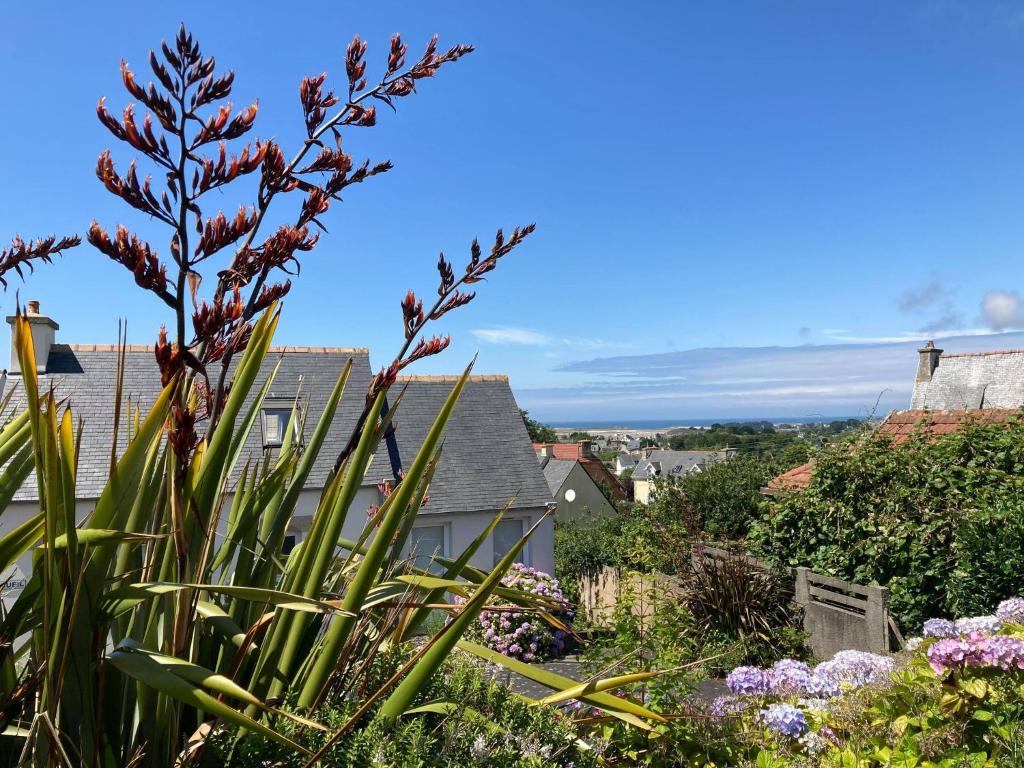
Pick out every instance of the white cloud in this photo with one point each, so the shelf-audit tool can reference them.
(1003, 309)
(903, 336)
(728, 382)
(511, 336)
(528, 337)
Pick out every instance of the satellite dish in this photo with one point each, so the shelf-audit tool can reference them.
(570, 495)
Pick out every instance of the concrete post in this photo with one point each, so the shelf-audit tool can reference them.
(876, 616)
(801, 588)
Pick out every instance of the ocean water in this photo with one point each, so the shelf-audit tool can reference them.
(649, 424)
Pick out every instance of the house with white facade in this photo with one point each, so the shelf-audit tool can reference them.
(487, 459)
(657, 462)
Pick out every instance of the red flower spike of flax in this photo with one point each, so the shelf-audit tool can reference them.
(22, 253)
(183, 124)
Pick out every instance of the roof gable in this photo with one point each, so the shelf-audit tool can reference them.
(972, 380)
(486, 458)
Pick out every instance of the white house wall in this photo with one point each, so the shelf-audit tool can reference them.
(461, 529)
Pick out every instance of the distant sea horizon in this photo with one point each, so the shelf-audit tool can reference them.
(656, 424)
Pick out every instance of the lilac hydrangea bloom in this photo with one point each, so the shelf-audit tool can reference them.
(954, 651)
(939, 628)
(785, 719)
(521, 635)
(789, 677)
(748, 681)
(1003, 652)
(822, 686)
(725, 706)
(1011, 610)
(987, 625)
(977, 650)
(855, 669)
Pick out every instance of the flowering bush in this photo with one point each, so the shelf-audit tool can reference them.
(521, 635)
(955, 697)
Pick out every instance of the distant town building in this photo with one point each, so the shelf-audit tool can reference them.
(659, 462)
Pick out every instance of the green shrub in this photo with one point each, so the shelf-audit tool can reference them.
(490, 726)
(939, 521)
(748, 605)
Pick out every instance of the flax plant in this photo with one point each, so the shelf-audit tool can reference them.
(168, 613)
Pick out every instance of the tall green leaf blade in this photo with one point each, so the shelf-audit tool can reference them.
(157, 676)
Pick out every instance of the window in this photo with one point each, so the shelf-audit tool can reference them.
(507, 534)
(275, 418)
(288, 545)
(426, 542)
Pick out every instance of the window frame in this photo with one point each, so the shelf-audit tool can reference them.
(446, 540)
(526, 555)
(283, 405)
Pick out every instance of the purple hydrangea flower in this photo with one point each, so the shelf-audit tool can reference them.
(939, 628)
(520, 635)
(1003, 652)
(785, 719)
(748, 681)
(789, 677)
(953, 651)
(855, 669)
(987, 625)
(1011, 610)
(725, 706)
(822, 686)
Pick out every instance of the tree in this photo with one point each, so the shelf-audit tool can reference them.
(539, 433)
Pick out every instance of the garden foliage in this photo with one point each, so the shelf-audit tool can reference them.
(940, 521)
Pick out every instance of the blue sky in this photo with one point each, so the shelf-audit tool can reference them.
(704, 176)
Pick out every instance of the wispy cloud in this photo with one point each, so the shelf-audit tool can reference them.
(512, 336)
(811, 379)
(925, 296)
(935, 298)
(908, 336)
(530, 337)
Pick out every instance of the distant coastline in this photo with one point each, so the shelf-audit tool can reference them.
(658, 425)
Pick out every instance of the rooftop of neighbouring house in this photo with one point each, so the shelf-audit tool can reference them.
(583, 453)
(968, 380)
(899, 426)
(485, 462)
(556, 471)
(663, 462)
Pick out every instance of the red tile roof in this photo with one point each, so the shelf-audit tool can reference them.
(593, 466)
(899, 426)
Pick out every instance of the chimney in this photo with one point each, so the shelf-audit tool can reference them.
(586, 448)
(546, 451)
(928, 361)
(43, 329)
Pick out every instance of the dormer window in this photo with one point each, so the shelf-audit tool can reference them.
(275, 418)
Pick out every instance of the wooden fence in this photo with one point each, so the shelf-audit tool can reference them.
(837, 614)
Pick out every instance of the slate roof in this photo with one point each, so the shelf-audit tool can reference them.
(555, 471)
(592, 465)
(974, 380)
(487, 457)
(665, 462)
(899, 426)
(487, 454)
